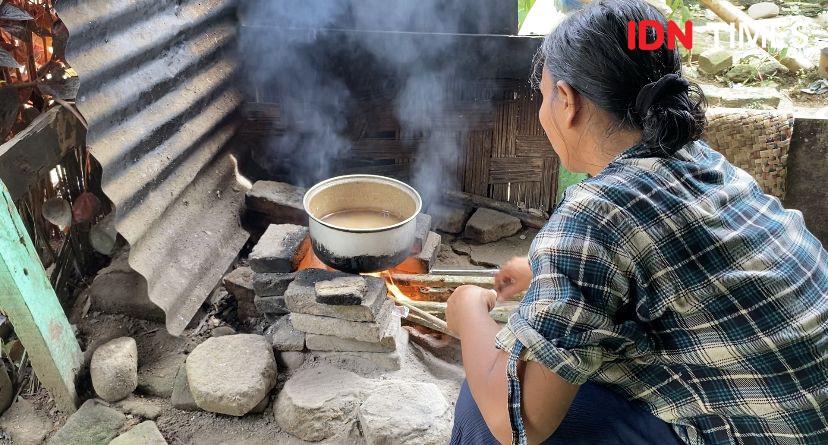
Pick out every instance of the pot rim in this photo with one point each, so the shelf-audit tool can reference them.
(312, 191)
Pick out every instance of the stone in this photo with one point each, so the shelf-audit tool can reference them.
(290, 360)
(141, 407)
(114, 369)
(222, 331)
(278, 202)
(335, 343)
(715, 60)
(357, 330)
(361, 361)
(145, 433)
(156, 378)
(741, 97)
(341, 290)
(427, 257)
(449, 219)
(181, 397)
(496, 254)
(25, 424)
(822, 19)
(300, 297)
(92, 424)
(763, 10)
(280, 249)
(117, 289)
(6, 389)
(271, 305)
(231, 374)
(754, 68)
(412, 413)
(239, 283)
(283, 337)
(487, 225)
(318, 403)
(262, 406)
(271, 284)
(421, 232)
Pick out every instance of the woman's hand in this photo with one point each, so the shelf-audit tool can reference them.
(513, 278)
(468, 303)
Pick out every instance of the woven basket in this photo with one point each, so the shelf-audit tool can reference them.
(755, 141)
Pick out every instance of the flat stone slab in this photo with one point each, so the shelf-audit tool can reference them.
(411, 413)
(487, 225)
(740, 97)
(280, 249)
(272, 284)
(430, 251)
(319, 403)
(114, 369)
(333, 343)
(421, 232)
(449, 219)
(341, 290)
(231, 374)
(145, 433)
(300, 297)
(358, 330)
(239, 283)
(284, 337)
(495, 254)
(181, 397)
(361, 361)
(92, 424)
(140, 407)
(25, 424)
(278, 201)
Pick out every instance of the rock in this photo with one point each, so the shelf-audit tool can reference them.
(362, 361)
(278, 202)
(496, 254)
(6, 389)
(140, 407)
(335, 343)
(25, 424)
(487, 225)
(232, 374)
(280, 249)
(357, 330)
(114, 369)
(181, 397)
(763, 10)
(411, 413)
(271, 305)
(262, 406)
(754, 68)
(427, 257)
(421, 232)
(222, 331)
(272, 284)
(156, 378)
(822, 19)
(117, 289)
(341, 290)
(290, 360)
(239, 283)
(318, 403)
(715, 60)
(92, 424)
(300, 297)
(740, 97)
(283, 337)
(145, 433)
(449, 219)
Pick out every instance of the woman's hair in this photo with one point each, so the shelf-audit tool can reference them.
(641, 89)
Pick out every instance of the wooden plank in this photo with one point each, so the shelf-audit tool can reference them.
(510, 170)
(29, 155)
(28, 300)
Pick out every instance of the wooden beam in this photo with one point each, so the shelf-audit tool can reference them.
(28, 300)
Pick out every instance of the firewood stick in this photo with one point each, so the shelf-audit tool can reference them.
(437, 324)
(500, 313)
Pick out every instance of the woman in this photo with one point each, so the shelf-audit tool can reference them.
(668, 300)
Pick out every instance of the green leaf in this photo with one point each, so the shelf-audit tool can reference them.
(7, 60)
(9, 12)
(784, 53)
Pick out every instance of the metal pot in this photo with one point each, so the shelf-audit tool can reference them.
(362, 250)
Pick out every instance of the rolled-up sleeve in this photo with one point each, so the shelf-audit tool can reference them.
(571, 317)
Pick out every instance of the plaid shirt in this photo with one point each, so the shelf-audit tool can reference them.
(678, 284)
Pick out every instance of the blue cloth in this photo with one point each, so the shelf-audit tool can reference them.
(597, 416)
(676, 282)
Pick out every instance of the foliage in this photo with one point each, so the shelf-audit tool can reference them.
(523, 10)
(33, 69)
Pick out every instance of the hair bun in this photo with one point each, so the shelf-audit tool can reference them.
(655, 92)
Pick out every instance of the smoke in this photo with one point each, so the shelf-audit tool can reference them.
(307, 56)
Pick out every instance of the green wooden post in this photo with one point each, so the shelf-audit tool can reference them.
(28, 300)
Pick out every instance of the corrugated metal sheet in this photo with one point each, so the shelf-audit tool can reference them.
(158, 90)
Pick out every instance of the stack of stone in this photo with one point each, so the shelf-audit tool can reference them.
(274, 261)
(346, 319)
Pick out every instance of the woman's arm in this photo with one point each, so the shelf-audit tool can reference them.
(546, 396)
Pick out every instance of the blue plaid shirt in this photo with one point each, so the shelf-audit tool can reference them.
(678, 284)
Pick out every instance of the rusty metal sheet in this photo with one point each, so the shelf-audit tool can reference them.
(158, 88)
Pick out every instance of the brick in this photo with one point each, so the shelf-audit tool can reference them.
(333, 343)
(284, 337)
(280, 249)
(359, 361)
(271, 305)
(277, 202)
(421, 232)
(341, 290)
(357, 330)
(239, 283)
(300, 297)
(272, 284)
(487, 225)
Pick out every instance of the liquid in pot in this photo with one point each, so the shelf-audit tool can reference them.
(362, 219)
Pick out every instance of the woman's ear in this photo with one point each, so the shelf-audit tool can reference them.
(570, 102)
